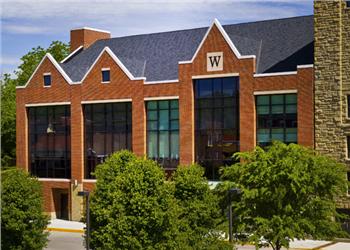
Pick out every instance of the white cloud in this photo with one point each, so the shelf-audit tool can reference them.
(23, 29)
(9, 60)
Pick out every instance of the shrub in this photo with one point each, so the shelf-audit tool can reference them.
(22, 219)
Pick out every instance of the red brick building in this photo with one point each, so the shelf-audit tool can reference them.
(178, 97)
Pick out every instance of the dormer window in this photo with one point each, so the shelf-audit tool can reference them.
(47, 79)
(106, 77)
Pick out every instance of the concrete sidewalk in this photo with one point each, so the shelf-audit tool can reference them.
(66, 226)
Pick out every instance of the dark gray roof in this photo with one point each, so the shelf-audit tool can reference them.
(279, 45)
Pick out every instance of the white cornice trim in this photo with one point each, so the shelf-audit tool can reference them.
(227, 39)
(118, 62)
(163, 81)
(156, 98)
(47, 104)
(93, 29)
(72, 54)
(305, 66)
(215, 75)
(276, 74)
(90, 180)
(54, 179)
(106, 101)
(274, 92)
(57, 66)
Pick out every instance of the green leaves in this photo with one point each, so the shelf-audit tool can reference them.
(22, 219)
(289, 192)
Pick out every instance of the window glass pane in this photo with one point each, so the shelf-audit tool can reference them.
(205, 121)
(263, 100)
(205, 103)
(175, 125)
(227, 87)
(164, 119)
(174, 147)
(174, 104)
(218, 119)
(163, 144)
(47, 80)
(261, 110)
(291, 99)
(174, 114)
(152, 144)
(163, 104)
(105, 76)
(205, 88)
(277, 109)
(152, 115)
(217, 86)
(263, 135)
(277, 134)
(277, 99)
(229, 118)
(291, 135)
(151, 105)
(152, 125)
(291, 109)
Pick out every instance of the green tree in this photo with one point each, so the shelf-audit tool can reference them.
(22, 219)
(289, 192)
(200, 212)
(29, 62)
(132, 207)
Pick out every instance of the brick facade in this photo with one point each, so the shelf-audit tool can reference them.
(121, 87)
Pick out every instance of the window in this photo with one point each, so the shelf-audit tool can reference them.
(348, 178)
(348, 105)
(105, 75)
(217, 123)
(49, 141)
(107, 130)
(47, 79)
(347, 3)
(163, 132)
(348, 147)
(276, 118)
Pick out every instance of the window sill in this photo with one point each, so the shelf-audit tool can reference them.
(47, 86)
(106, 82)
(54, 179)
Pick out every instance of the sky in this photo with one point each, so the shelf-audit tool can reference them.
(26, 24)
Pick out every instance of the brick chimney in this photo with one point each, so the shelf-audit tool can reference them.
(86, 36)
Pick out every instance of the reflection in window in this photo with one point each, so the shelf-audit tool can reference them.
(276, 118)
(217, 122)
(107, 130)
(49, 141)
(163, 132)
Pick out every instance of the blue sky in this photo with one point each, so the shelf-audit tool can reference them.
(30, 23)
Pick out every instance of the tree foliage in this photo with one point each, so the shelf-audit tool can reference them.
(29, 62)
(134, 207)
(289, 192)
(22, 219)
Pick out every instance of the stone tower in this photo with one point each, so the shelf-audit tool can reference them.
(332, 80)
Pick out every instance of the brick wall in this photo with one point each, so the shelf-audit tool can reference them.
(121, 87)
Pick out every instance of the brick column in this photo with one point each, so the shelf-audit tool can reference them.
(21, 131)
(138, 120)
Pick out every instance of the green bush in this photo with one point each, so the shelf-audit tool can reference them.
(132, 207)
(289, 192)
(22, 219)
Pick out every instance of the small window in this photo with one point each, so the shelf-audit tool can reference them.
(47, 80)
(348, 146)
(347, 3)
(348, 178)
(106, 75)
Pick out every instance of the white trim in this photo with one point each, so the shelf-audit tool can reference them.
(163, 81)
(155, 98)
(305, 66)
(214, 75)
(106, 82)
(227, 39)
(47, 104)
(107, 101)
(47, 74)
(47, 86)
(54, 179)
(274, 92)
(118, 62)
(276, 74)
(90, 180)
(57, 66)
(105, 69)
(93, 29)
(72, 54)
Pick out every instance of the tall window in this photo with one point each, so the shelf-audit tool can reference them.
(107, 130)
(49, 141)
(217, 122)
(276, 118)
(163, 132)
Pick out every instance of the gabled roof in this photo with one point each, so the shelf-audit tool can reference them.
(278, 45)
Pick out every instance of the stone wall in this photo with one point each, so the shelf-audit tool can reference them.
(332, 80)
